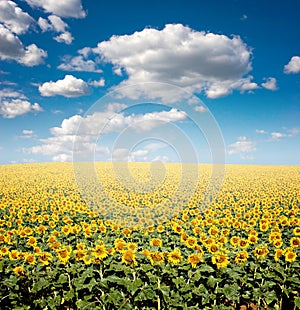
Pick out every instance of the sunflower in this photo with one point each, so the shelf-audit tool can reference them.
(213, 248)
(100, 252)
(44, 257)
(290, 256)
(13, 255)
(132, 246)
(197, 231)
(278, 254)
(234, 241)
(243, 243)
(295, 242)
(156, 257)
(128, 257)
(156, 242)
(220, 259)
(277, 243)
(261, 251)
(120, 246)
(80, 246)
(63, 255)
(30, 259)
(194, 259)
(19, 271)
(4, 251)
(160, 228)
(241, 257)
(126, 232)
(252, 239)
(191, 242)
(32, 241)
(174, 257)
(51, 239)
(296, 231)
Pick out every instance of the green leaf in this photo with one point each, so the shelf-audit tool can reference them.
(40, 284)
(69, 295)
(206, 268)
(212, 281)
(62, 279)
(231, 291)
(297, 302)
(270, 296)
(91, 285)
(147, 293)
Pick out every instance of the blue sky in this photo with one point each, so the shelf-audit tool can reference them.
(147, 80)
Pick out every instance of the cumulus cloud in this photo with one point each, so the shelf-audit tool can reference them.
(293, 66)
(68, 87)
(78, 63)
(55, 23)
(65, 37)
(14, 18)
(16, 107)
(270, 84)
(33, 56)
(11, 48)
(63, 8)
(243, 146)
(197, 61)
(83, 130)
(99, 83)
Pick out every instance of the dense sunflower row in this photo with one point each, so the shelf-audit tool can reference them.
(47, 226)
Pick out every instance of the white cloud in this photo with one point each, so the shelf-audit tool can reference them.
(60, 144)
(10, 93)
(99, 83)
(69, 87)
(200, 108)
(16, 107)
(270, 84)
(33, 56)
(78, 63)
(161, 158)
(63, 8)
(197, 61)
(261, 131)
(277, 136)
(29, 160)
(11, 48)
(65, 37)
(14, 18)
(27, 132)
(243, 147)
(293, 66)
(55, 23)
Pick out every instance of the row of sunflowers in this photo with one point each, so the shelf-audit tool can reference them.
(239, 250)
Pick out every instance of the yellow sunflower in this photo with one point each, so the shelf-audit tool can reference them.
(194, 259)
(129, 258)
(174, 257)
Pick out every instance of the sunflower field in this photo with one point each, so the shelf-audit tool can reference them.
(240, 251)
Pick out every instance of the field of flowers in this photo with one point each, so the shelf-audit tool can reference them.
(239, 252)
